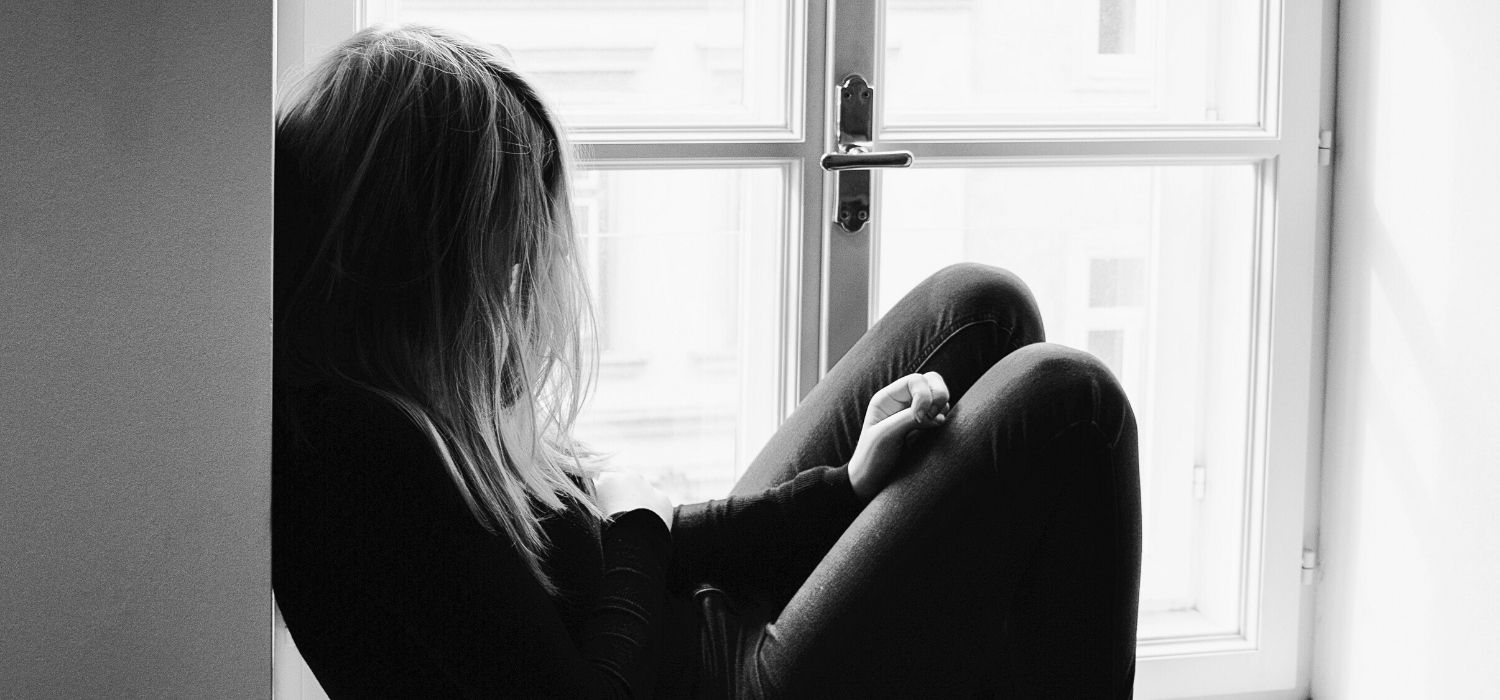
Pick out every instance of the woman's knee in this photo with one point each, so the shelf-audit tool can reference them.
(976, 290)
(1044, 388)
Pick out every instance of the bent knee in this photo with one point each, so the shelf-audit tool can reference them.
(1055, 386)
(980, 285)
(976, 289)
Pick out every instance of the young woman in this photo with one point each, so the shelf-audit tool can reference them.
(953, 510)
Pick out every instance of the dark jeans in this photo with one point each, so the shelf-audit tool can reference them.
(1004, 558)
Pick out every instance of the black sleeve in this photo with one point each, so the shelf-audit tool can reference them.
(763, 545)
(391, 588)
(637, 548)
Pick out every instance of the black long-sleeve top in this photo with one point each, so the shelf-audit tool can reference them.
(391, 588)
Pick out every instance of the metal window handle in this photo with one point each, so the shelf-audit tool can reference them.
(853, 157)
(860, 159)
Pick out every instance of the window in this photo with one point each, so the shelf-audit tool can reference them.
(1116, 26)
(681, 394)
(1147, 166)
(650, 71)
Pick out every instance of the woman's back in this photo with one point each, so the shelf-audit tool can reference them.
(394, 589)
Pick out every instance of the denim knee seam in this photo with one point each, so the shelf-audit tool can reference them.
(959, 327)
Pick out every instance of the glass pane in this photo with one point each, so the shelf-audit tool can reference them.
(621, 64)
(1149, 267)
(686, 269)
(1001, 63)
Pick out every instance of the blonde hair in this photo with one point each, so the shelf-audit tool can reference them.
(425, 251)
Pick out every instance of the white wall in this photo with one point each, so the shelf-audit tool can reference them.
(1409, 605)
(135, 241)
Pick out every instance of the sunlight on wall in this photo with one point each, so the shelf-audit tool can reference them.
(1410, 538)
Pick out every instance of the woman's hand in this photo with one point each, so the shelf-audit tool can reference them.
(911, 402)
(620, 492)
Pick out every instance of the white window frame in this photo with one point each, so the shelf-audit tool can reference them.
(829, 277)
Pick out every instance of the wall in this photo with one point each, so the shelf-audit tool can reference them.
(135, 241)
(1410, 536)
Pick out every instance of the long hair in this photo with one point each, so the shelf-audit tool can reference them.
(425, 251)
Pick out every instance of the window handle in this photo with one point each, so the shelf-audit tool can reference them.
(860, 159)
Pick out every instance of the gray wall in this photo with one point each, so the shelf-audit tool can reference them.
(135, 248)
(1410, 542)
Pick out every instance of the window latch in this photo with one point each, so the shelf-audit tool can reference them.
(854, 156)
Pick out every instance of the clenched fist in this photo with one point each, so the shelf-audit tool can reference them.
(916, 401)
(619, 492)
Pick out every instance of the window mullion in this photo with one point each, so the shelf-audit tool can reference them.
(856, 32)
(665, 151)
(1143, 148)
(807, 254)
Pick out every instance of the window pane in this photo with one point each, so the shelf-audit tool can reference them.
(686, 270)
(1108, 346)
(1149, 267)
(1116, 282)
(998, 63)
(617, 64)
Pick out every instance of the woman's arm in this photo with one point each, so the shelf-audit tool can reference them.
(763, 545)
(766, 544)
